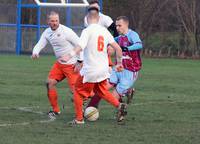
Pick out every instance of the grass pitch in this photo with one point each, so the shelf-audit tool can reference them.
(166, 108)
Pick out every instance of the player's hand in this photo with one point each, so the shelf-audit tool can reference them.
(78, 66)
(124, 49)
(119, 67)
(35, 56)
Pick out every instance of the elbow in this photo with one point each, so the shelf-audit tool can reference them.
(140, 46)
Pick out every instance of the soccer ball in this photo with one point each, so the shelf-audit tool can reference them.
(91, 113)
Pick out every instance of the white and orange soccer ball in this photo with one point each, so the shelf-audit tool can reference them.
(91, 113)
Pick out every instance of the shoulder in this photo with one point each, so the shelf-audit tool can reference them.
(105, 20)
(104, 16)
(47, 32)
(100, 28)
(86, 31)
(65, 28)
(132, 33)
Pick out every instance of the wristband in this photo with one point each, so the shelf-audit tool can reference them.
(79, 61)
(124, 49)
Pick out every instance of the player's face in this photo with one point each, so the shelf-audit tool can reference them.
(53, 21)
(121, 26)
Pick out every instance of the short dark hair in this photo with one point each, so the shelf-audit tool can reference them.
(124, 18)
(93, 2)
(93, 9)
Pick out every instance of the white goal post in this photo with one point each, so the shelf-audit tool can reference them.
(63, 3)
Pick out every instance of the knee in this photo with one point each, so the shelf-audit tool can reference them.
(122, 88)
(51, 83)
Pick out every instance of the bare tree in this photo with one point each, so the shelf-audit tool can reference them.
(187, 14)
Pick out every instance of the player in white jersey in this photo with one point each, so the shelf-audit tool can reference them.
(95, 71)
(107, 22)
(103, 20)
(63, 40)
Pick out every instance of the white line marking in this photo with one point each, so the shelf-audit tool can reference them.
(25, 123)
(29, 109)
(24, 109)
(13, 108)
(164, 102)
(15, 124)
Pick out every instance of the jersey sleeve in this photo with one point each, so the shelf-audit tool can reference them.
(134, 37)
(40, 44)
(107, 21)
(135, 40)
(83, 39)
(72, 37)
(113, 30)
(85, 21)
(110, 38)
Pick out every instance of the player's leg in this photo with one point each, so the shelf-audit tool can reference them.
(131, 91)
(82, 91)
(95, 100)
(102, 90)
(55, 75)
(114, 80)
(70, 75)
(126, 81)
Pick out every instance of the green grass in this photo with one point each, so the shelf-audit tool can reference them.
(166, 109)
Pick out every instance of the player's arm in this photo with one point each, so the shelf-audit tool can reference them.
(118, 50)
(74, 39)
(39, 46)
(136, 42)
(76, 51)
(110, 25)
(112, 29)
(67, 57)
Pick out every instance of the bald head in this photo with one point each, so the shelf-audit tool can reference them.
(53, 20)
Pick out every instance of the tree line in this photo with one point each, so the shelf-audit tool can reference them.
(169, 28)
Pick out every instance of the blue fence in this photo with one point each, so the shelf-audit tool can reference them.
(17, 27)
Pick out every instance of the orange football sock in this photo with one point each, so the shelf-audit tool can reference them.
(53, 99)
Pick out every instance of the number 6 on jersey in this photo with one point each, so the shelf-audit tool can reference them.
(100, 45)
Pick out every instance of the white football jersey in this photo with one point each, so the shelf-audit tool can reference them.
(94, 41)
(104, 20)
(63, 41)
